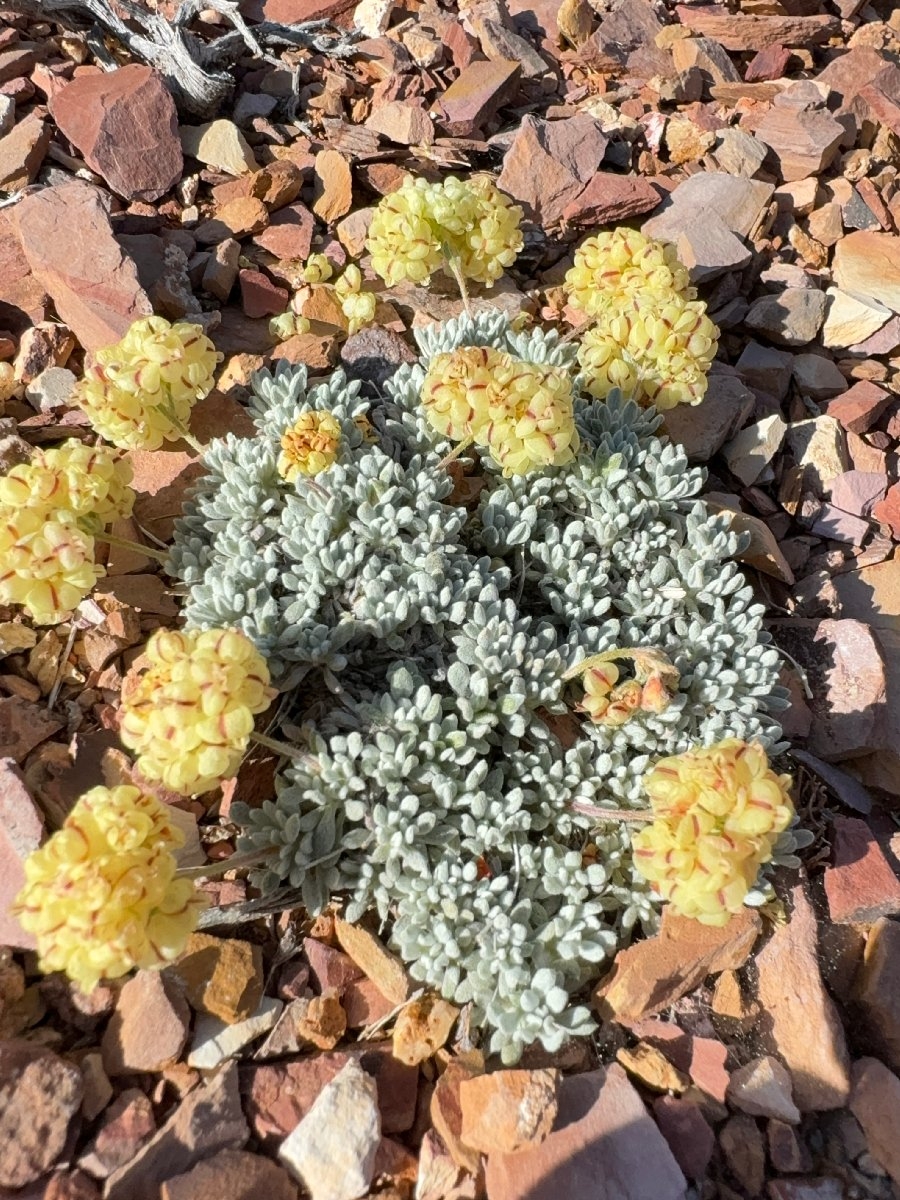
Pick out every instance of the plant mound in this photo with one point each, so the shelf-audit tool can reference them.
(421, 628)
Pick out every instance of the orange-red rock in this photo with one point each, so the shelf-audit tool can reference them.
(508, 1110)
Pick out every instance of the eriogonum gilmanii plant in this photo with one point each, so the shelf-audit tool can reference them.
(622, 263)
(188, 714)
(309, 446)
(358, 306)
(141, 390)
(521, 412)
(610, 700)
(718, 813)
(468, 225)
(46, 562)
(101, 896)
(317, 269)
(90, 482)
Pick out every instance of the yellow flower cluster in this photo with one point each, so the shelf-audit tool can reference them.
(140, 392)
(520, 412)
(49, 509)
(357, 306)
(287, 325)
(317, 269)
(466, 223)
(188, 714)
(309, 446)
(101, 897)
(651, 337)
(718, 814)
(607, 701)
(620, 264)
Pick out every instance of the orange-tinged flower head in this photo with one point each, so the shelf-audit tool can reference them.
(718, 813)
(310, 445)
(87, 481)
(188, 714)
(620, 264)
(101, 897)
(46, 562)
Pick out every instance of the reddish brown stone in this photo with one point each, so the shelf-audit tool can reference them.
(688, 1133)
(15, 63)
(609, 198)
(861, 885)
(877, 990)
(859, 408)
(747, 32)
(149, 1028)
(21, 830)
(770, 63)
(234, 1174)
(22, 152)
(69, 244)
(875, 1102)
(329, 969)
(290, 233)
(887, 511)
(260, 297)
(476, 95)
(23, 301)
(127, 1124)
(125, 125)
(549, 164)
(39, 1096)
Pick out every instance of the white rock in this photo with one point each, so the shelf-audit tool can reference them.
(763, 1088)
(851, 319)
(819, 445)
(753, 449)
(218, 144)
(214, 1041)
(372, 17)
(332, 1151)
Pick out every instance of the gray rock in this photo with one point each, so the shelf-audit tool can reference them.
(763, 1088)
(332, 1151)
(792, 317)
(818, 377)
(215, 1041)
(374, 354)
(765, 370)
(739, 153)
(705, 427)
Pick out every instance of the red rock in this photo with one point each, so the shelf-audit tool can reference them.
(289, 235)
(508, 1110)
(21, 831)
(221, 269)
(15, 63)
(887, 511)
(125, 125)
(688, 1133)
(610, 198)
(877, 990)
(329, 969)
(707, 1067)
(802, 143)
(68, 241)
(260, 297)
(279, 1095)
(207, 1120)
(24, 726)
(476, 94)
(787, 1152)
(655, 972)
(40, 1093)
(742, 1145)
(746, 32)
(23, 151)
(70, 1185)
(23, 300)
(799, 1021)
(149, 1028)
(859, 408)
(875, 1102)
(851, 71)
(549, 163)
(605, 1147)
(234, 1174)
(860, 886)
(281, 183)
(882, 97)
(770, 63)
(291, 12)
(364, 1004)
(127, 1124)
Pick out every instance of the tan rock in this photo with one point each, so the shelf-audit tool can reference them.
(877, 989)
(22, 152)
(654, 973)
(875, 1102)
(237, 219)
(422, 1027)
(508, 1110)
(762, 551)
(826, 224)
(685, 141)
(222, 976)
(802, 143)
(649, 1066)
(446, 1107)
(799, 1021)
(820, 446)
(867, 264)
(403, 123)
(751, 451)
(219, 144)
(872, 594)
(762, 1088)
(850, 320)
(705, 54)
(149, 1028)
(333, 191)
(353, 230)
(382, 967)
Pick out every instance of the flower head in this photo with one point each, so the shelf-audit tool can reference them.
(188, 714)
(718, 813)
(317, 269)
(46, 562)
(521, 412)
(620, 264)
(101, 896)
(420, 227)
(287, 325)
(657, 349)
(87, 481)
(310, 445)
(141, 391)
(357, 306)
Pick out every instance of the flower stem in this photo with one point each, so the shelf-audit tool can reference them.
(456, 271)
(212, 869)
(263, 739)
(456, 452)
(127, 544)
(609, 814)
(182, 430)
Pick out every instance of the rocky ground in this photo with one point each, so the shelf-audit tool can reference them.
(764, 140)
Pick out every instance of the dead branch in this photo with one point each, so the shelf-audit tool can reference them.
(195, 71)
